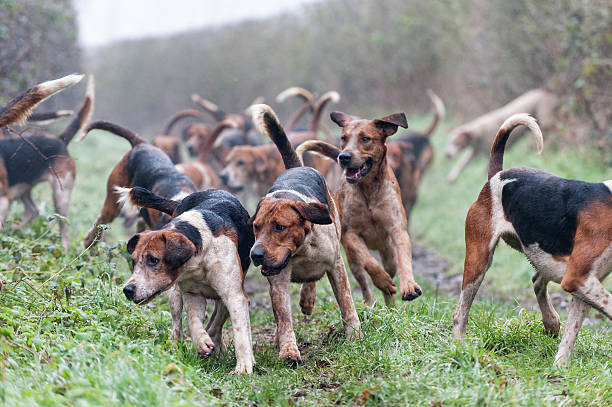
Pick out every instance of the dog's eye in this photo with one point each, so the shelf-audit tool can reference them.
(365, 139)
(152, 261)
(279, 228)
(343, 139)
(240, 163)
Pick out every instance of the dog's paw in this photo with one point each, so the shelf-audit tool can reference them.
(243, 367)
(291, 355)
(552, 327)
(384, 282)
(205, 347)
(411, 292)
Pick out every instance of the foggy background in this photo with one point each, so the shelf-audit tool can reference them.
(150, 56)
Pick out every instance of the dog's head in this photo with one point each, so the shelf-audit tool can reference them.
(243, 165)
(280, 227)
(459, 139)
(168, 145)
(363, 143)
(195, 135)
(401, 158)
(157, 257)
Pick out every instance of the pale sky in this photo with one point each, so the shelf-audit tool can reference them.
(104, 21)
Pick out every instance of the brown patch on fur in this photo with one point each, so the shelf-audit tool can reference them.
(168, 145)
(478, 233)
(593, 236)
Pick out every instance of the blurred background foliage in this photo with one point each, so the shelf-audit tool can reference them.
(380, 55)
(38, 42)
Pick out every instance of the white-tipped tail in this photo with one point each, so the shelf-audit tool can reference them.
(437, 102)
(530, 122)
(332, 95)
(206, 104)
(257, 115)
(125, 199)
(91, 94)
(292, 92)
(51, 87)
(62, 113)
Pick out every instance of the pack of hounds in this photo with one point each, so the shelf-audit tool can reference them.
(196, 240)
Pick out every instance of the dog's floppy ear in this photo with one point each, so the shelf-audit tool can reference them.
(341, 119)
(314, 212)
(131, 244)
(388, 124)
(179, 249)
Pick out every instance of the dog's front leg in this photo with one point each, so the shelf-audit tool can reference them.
(175, 300)
(338, 279)
(400, 244)
(281, 305)
(196, 311)
(360, 259)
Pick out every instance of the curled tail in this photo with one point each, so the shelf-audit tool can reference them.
(496, 159)
(439, 111)
(133, 138)
(302, 93)
(331, 96)
(138, 197)
(318, 147)
(207, 146)
(20, 107)
(266, 122)
(182, 115)
(209, 107)
(76, 125)
(48, 117)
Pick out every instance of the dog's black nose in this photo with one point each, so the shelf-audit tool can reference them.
(192, 150)
(129, 291)
(345, 158)
(257, 255)
(223, 177)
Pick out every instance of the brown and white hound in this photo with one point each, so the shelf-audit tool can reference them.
(563, 226)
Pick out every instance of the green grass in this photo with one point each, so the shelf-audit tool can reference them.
(69, 337)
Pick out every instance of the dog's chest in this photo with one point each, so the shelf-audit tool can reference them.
(317, 255)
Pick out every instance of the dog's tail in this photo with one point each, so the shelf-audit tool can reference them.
(439, 111)
(20, 107)
(207, 146)
(208, 107)
(83, 116)
(183, 114)
(331, 96)
(266, 122)
(496, 159)
(319, 147)
(48, 117)
(305, 95)
(133, 138)
(138, 197)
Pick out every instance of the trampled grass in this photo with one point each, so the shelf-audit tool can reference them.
(69, 337)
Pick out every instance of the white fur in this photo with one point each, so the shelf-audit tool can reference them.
(499, 223)
(544, 263)
(437, 102)
(125, 200)
(290, 191)
(257, 114)
(51, 87)
(608, 183)
(294, 91)
(526, 120)
(332, 95)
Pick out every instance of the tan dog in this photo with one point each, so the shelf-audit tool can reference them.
(477, 133)
(370, 204)
(256, 167)
(410, 155)
(297, 230)
(38, 156)
(564, 228)
(192, 134)
(199, 171)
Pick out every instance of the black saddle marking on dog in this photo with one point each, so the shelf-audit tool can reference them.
(304, 180)
(419, 142)
(190, 232)
(222, 211)
(23, 163)
(544, 208)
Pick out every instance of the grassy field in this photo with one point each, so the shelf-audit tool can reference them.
(69, 337)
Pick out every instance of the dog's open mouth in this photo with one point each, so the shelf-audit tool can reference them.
(354, 175)
(267, 271)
